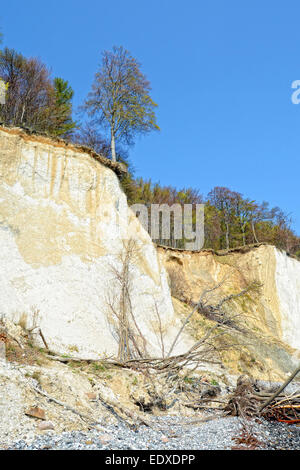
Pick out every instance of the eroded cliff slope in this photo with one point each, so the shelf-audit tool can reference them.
(64, 233)
(65, 229)
(259, 289)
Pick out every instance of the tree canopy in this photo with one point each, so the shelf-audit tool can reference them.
(119, 100)
(230, 219)
(33, 99)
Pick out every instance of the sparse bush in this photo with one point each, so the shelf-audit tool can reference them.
(177, 282)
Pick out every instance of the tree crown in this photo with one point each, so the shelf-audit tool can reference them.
(120, 96)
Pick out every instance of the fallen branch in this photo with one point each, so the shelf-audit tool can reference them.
(283, 386)
(68, 407)
(43, 339)
(249, 401)
(109, 406)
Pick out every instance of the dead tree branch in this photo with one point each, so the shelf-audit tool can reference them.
(283, 386)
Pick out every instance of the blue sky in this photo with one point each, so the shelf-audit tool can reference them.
(221, 73)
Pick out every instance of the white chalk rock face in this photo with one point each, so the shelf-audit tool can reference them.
(64, 233)
(288, 289)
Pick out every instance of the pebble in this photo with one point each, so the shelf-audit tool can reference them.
(45, 426)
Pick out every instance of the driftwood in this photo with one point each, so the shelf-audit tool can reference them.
(286, 383)
(159, 364)
(92, 423)
(250, 400)
(66, 359)
(113, 406)
(117, 410)
(43, 339)
(245, 401)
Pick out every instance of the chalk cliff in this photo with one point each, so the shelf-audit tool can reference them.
(64, 231)
(270, 311)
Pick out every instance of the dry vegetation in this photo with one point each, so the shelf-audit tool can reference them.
(167, 382)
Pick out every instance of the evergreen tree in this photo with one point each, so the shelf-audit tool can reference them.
(63, 125)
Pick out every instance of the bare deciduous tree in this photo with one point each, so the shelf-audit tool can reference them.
(33, 99)
(131, 342)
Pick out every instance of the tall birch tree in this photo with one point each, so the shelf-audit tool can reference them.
(120, 100)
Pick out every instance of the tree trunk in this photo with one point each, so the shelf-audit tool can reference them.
(244, 236)
(23, 112)
(253, 231)
(113, 146)
(291, 377)
(227, 236)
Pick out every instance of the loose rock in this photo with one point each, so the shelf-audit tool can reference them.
(36, 412)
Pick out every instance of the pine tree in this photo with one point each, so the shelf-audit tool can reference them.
(63, 125)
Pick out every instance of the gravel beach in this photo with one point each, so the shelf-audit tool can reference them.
(170, 433)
